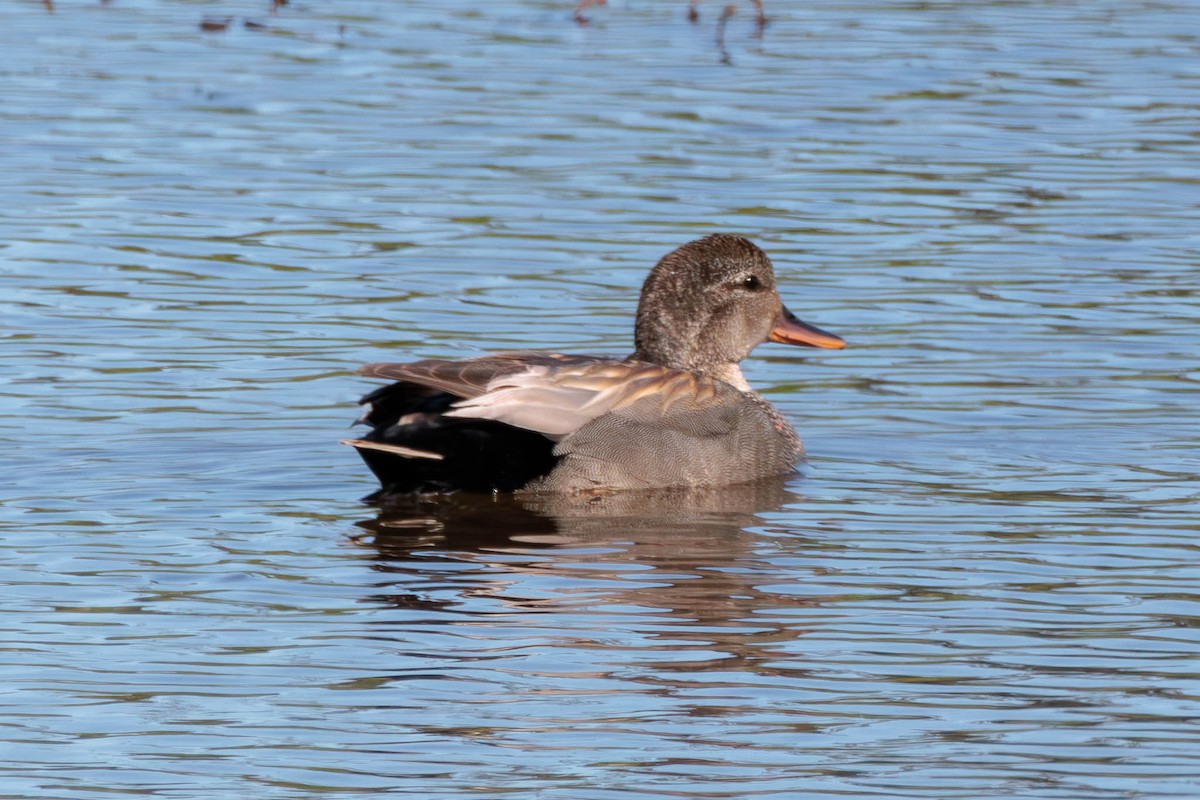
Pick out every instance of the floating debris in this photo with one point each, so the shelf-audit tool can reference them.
(584, 5)
(760, 15)
(215, 25)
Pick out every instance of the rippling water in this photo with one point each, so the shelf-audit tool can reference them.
(985, 583)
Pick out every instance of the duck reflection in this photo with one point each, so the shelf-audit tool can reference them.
(703, 560)
(687, 520)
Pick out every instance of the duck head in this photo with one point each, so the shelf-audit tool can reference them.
(707, 304)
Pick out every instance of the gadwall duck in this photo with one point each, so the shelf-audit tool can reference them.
(678, 412)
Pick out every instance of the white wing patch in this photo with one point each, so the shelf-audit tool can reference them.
(556, 401)
(533, 400)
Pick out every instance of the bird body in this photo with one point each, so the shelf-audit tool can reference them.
(678, 412)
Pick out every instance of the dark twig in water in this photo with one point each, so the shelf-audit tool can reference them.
(760, 18)
(215, 25)
(760, 15)
(729, 11)
(584, 5)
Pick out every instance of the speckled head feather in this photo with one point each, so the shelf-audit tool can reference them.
(706, 305)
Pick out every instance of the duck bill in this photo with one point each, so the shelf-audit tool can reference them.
(791, 330)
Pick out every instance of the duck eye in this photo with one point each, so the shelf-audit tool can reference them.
(750, 282)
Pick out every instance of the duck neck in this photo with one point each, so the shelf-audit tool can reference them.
(729, 372)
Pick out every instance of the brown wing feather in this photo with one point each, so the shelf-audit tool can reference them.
(559, 398)
(556, 395)
(468, 378)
